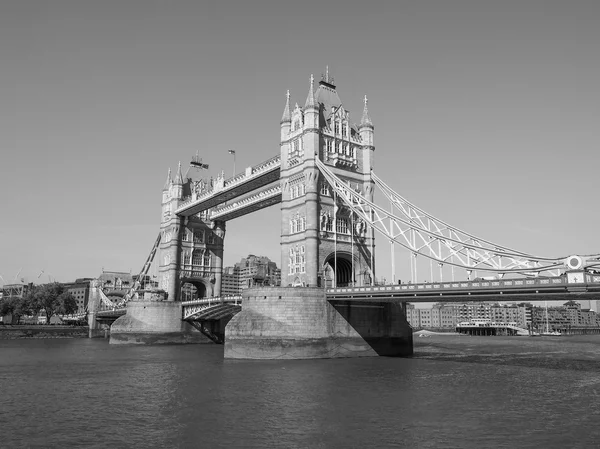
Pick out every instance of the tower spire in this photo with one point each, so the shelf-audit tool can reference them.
(168, 181)
(286, 111)
(366, 118)
(310, 100)
(179, 177)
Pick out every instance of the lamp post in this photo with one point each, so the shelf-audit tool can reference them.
(233, 152)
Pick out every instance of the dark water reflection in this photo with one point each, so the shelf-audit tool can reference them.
(458, 392)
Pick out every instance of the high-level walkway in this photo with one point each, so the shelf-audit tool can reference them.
(254, 179)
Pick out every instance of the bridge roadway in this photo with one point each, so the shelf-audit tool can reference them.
(262, 176)
(571, 286)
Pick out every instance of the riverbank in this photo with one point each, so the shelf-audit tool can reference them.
(12, 332)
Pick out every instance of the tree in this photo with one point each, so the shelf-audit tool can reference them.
(16, 306)
(53, 299)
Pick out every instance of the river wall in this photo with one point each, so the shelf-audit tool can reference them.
(12, 332)
(300, 323)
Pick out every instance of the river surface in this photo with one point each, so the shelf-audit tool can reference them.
(457, 392)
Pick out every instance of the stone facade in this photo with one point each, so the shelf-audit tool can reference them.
(320, 236)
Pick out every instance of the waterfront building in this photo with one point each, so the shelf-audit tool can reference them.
(511, 313)
(472, 311)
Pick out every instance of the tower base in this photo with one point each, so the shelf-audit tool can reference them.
(300, 323)
(154, 323)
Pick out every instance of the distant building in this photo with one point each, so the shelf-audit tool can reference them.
(80, 289)
(15, 290)
(249, 272)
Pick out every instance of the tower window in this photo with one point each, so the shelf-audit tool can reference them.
(199, 236)
(197, 257)
(342, 226)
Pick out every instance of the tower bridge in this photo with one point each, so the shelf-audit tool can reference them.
(324, 180)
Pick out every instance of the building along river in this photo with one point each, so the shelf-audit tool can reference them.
(457, 392)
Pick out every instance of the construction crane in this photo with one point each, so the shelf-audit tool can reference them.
(144, 272)
(197, 162)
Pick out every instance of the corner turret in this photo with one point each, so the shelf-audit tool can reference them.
(311, 107)
(177, 189)
(286, 119)
(366, 128)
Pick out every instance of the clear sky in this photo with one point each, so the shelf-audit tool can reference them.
(486, 115)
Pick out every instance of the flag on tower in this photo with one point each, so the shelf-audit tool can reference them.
(231, 151)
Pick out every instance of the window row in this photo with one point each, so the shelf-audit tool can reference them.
(297, 224)
(297, 264)
(198, 257)
(198, 236)
(342, 126)
(296, 148)
(297, 191)
(344, 148)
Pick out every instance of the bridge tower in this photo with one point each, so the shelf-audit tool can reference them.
(191, 248)
(321, 240)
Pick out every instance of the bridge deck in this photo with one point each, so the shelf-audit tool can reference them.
(521, 290)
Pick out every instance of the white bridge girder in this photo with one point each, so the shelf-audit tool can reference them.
(211, 308)
(424, 235)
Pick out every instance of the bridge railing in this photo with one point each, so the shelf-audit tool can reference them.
(233, 299)
(196, 306)
(470, 285)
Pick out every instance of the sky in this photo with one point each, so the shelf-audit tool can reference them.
(486, 115)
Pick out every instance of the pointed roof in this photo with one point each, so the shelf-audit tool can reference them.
(286, 111)
(179, 177)
(366, 118)
(169, 181)
(327, 95)
(310, 99)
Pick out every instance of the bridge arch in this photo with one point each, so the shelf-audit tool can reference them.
(346, 271)
(193, 288)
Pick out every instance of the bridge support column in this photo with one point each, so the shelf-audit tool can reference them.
(154, 323)
(300, 323)
(95, 329)
(218, 251)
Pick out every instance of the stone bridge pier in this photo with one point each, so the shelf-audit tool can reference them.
(300, 323)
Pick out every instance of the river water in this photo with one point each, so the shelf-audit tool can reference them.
(457, 392)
